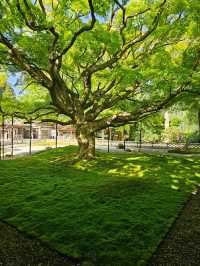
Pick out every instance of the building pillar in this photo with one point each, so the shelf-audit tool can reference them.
(167, 119)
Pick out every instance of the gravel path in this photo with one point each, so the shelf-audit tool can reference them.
(181, 247)
(17, 249)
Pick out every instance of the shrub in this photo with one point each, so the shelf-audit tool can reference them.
(120, 146)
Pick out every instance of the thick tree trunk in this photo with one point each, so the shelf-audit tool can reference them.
(86, 142)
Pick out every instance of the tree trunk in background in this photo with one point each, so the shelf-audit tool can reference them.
(86, 141)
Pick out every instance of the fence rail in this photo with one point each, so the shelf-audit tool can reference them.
(107, 145)
(149, 145)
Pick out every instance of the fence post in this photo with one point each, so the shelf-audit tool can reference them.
(12, 135)
(30, 137)
(140, 139)
(168, 146)
(56, 135)
(108, 139)
(3, 134)
(124, 144)
(95, 142)
(1, 138)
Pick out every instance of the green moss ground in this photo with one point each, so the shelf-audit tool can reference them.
(110, 211)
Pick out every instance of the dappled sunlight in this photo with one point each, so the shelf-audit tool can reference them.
(175, 172)
(184, 175)
(175, 187)
(190, 159)
(174, 162)
(196, 166)
(191, 182)
(116, 200)
(136, 157)
(175, 184)
(133, 169)
(111, 166)
(127, 171)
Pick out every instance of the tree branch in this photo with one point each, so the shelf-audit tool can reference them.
(21, 61)
(42, 7)
(82, 30)
(118, 55)
(32, 23)
(70, 122)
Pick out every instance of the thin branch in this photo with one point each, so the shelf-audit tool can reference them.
(70, 122)
(79, 32)
(118, 55)
(42, 7)
(21, 61)
(32, 24)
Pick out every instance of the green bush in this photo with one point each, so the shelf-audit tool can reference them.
(185, 151)
(120, 146)
(193, 137)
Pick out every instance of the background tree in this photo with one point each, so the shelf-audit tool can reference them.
(92, 55)
(191, 107)
(3, 80)
(153, 127)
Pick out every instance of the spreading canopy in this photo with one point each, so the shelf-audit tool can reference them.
(103, 63)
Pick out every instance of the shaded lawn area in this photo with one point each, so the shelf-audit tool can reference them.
(110, 211)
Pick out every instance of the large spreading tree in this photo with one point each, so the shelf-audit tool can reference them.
(102, 62)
